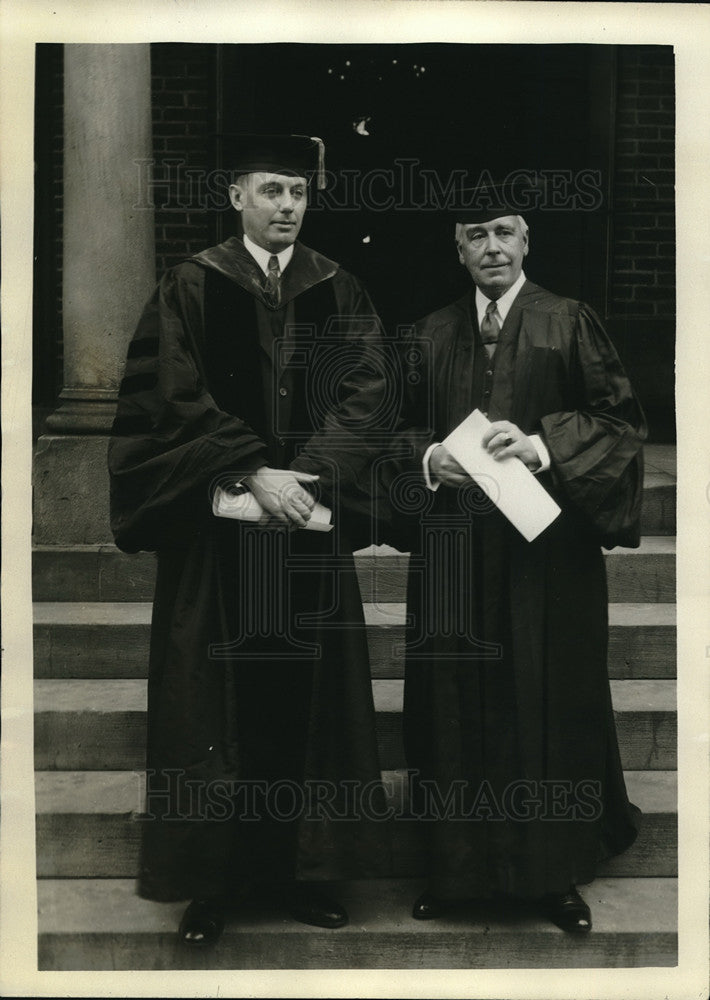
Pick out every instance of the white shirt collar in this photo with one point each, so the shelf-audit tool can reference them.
(262, 256)
(503, 304)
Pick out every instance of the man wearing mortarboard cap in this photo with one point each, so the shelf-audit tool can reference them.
(507, 712)
(259, 686)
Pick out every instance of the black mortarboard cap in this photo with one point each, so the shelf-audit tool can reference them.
(517, 194)
(293, 155)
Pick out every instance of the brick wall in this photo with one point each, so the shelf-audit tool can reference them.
(643, 237)
(185, 109)
(184, 115)
(643, 278)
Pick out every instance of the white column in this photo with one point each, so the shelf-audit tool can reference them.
(109, 248)
(108, 274)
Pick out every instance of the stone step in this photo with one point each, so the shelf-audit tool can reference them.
(88, 825)
(102, 573)
(100, 924)
(110, 639)
(658, 514)
(641, 576)
(100, 724)
(92, 639)
(645, 714)
(642, 640)
(91, 573)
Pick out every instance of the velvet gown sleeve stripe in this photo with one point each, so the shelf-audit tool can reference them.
(170, 440)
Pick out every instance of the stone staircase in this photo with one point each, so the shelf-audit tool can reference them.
(92, 620)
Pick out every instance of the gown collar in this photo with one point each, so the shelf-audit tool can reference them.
(231, 258)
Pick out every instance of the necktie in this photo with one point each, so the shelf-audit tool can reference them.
(490, 328)
(272, 283)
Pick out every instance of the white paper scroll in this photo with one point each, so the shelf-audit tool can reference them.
(508, 482)
(243, 506)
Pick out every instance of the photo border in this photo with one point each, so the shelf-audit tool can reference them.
(687, 28)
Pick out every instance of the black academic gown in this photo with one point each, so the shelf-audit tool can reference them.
(260, 711)
(507, 708)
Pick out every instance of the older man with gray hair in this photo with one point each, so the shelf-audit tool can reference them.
(508, 724)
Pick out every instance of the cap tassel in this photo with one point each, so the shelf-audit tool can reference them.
(320, 170)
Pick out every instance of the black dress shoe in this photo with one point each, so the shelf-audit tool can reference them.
(202, 923)
(569, 911)
(428, 907)
(310, 906)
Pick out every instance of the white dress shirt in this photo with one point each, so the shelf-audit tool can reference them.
(262, 256)
(503, 305)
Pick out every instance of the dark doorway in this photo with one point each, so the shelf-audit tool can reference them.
(405, 124)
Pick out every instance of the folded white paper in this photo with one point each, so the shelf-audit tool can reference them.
(507, 481)
(243, 506)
